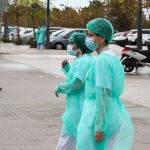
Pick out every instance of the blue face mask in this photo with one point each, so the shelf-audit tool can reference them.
(90, 44)
(71, 51)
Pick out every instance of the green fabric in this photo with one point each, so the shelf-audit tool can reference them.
(37, 35)
(41, 39)
(73, 87)
(103, 86)
(11, 29)
(101, 27)
(78, 39)
(66, 69)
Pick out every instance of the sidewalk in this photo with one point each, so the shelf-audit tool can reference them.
(30, 113)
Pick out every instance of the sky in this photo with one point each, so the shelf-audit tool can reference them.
(72, 3)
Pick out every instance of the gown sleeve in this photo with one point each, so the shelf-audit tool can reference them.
(82, 68)
(103, 81)
(73, 86)
(66, 69)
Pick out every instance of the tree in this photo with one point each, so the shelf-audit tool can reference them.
(94, 10)
(124, 17)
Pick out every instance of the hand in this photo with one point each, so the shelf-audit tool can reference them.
(56, 93)
(99, 136)
(64, 63)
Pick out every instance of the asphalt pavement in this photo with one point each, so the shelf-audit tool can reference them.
(29, 111)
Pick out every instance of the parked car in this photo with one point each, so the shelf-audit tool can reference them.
(54, 29)
(2, 31)
(147, 42)
(120, 35)
(132, 36)
(60, 41)
(12, 34)
(56, 33)
(27, 34)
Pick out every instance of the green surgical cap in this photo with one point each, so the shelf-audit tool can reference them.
(101, 27)
(78, 39)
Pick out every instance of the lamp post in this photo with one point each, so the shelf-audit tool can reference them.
(47, 26)
(66, 14)
(1, 16)
(139, 25)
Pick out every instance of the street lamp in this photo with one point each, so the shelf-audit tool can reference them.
(66, 14)
(2, 5)
(139, 25)
(47, 26)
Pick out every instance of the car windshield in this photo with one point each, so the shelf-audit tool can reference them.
(132, 32)
(58, 32)
(64, 33)
(29, 31)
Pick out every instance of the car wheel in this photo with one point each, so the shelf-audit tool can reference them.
(59, 46)
(128, 65)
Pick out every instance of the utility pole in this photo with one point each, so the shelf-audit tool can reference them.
(139, 25)
(1, 16)
(47, 27)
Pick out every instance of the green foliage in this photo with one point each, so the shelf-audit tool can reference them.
(32, 43)
(122, 15)
(18, 42)
(5, 40)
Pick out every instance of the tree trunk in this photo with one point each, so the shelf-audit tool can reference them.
(33, 21)
(17, 19)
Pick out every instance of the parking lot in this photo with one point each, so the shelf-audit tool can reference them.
(30, 112)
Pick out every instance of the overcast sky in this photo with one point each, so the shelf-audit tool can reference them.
(72, 3)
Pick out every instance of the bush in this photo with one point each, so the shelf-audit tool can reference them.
(5, 40)
(32, 43)
(18, 42)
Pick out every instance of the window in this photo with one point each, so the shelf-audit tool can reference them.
(146, 31)
(26, 32)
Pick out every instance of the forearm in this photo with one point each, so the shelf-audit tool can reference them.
(66, 69)
(70, 87)
(101, 111)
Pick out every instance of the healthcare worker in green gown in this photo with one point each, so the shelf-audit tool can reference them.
(37, 37)
(105, 123)
(73, 87)
(41, 39)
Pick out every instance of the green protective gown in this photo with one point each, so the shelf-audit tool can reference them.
(66, 69)
(37, 35)
(103, 110)
(74, 89)
(11, 30)
(41, 39)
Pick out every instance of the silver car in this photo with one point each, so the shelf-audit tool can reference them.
(60, 41)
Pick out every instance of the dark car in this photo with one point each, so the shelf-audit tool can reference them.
(148, 44)
(60, 41)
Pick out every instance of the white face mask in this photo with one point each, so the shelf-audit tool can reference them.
(90, 43)
(71, 51)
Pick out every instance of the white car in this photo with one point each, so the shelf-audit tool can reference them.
(148, 43)
(12, 34)
(132, 35)
(2, 31)
(25, 34)
(120, 36)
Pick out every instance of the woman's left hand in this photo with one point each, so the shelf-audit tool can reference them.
(99, 136)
